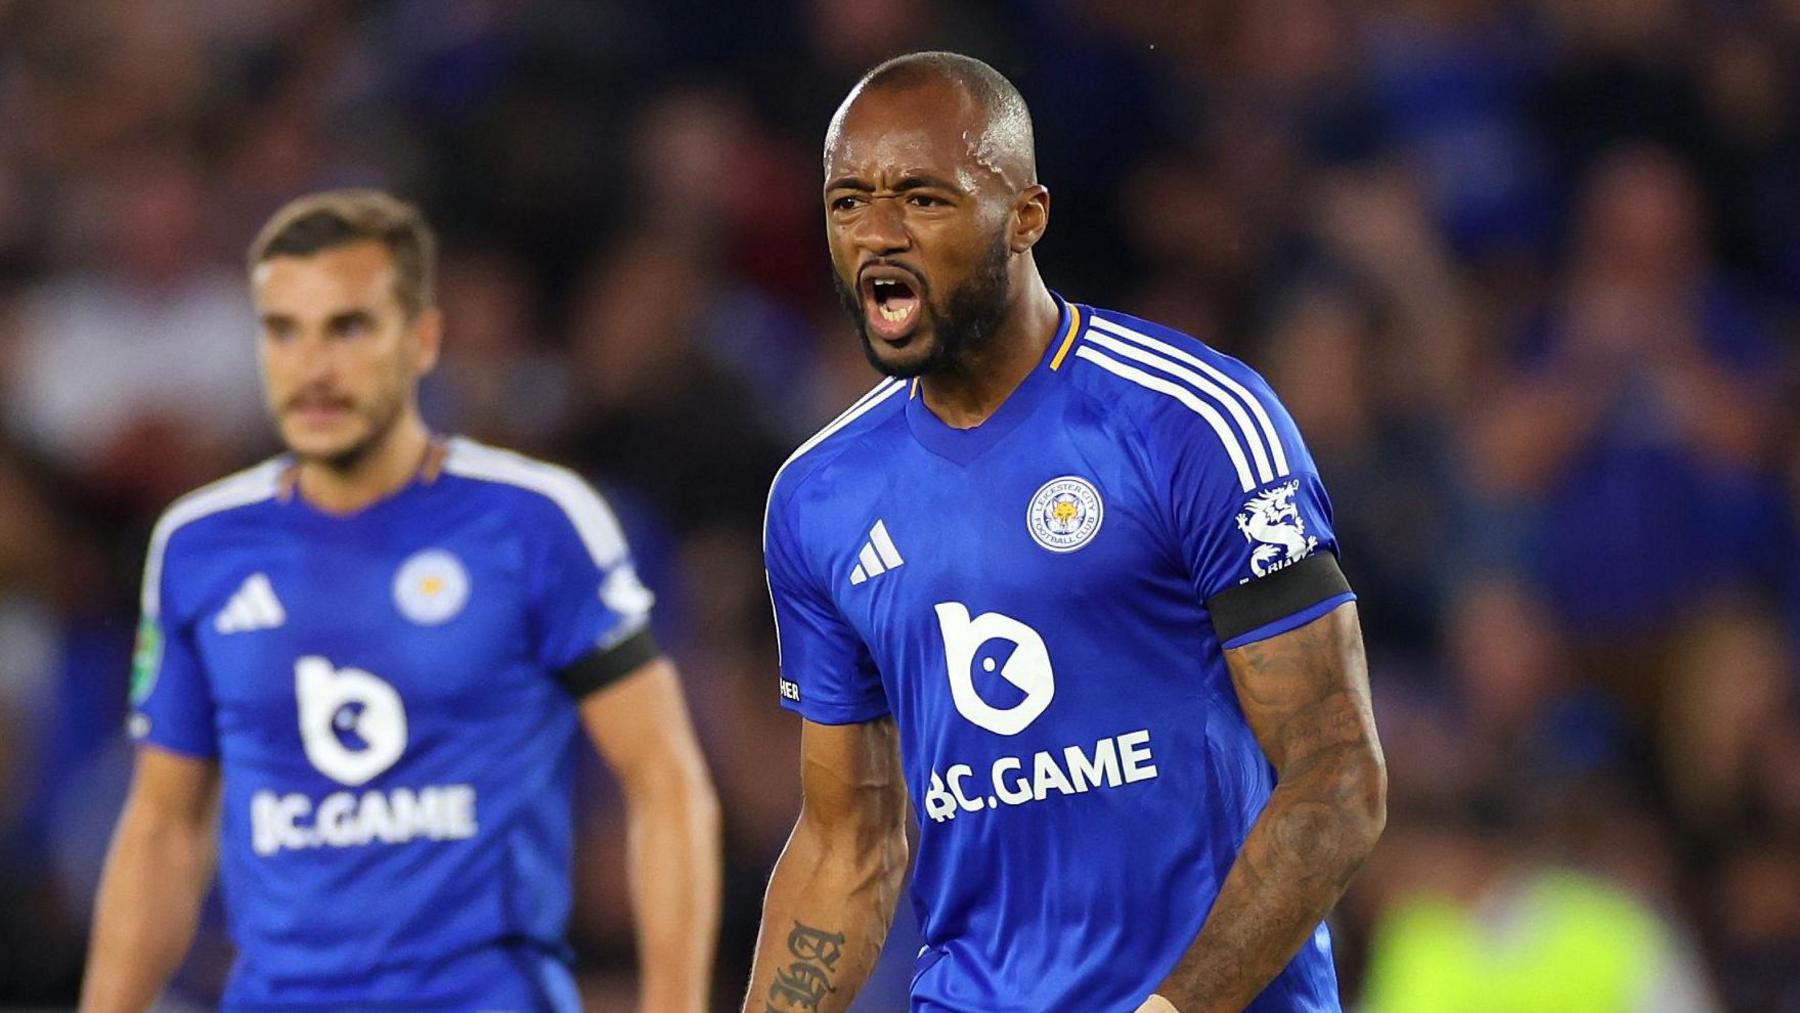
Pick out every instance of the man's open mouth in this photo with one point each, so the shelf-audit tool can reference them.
(891, 302)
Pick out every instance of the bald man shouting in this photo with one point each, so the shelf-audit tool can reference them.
(1068, 578)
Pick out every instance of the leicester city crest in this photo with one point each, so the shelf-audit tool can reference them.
(431, 587)
(1064, 514)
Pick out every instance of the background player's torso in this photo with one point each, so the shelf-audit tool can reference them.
(424, 593)
(396, 752)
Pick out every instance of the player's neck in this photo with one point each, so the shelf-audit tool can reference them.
(965, 395)
(384, 470)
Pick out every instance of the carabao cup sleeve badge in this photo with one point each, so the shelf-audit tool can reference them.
(146, 659)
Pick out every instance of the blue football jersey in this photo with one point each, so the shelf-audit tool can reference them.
(1037, 601)
(381, 691)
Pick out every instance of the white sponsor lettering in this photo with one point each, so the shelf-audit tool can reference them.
(957, 775)
(1134, 750)
(1012, 791)
(343, 819)
(1014, 780)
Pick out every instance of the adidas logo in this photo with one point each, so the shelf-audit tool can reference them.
(253, 607)
(878, 555)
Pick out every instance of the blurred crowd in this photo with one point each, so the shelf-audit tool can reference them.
(1527, 273)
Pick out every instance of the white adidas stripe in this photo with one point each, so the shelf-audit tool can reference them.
(236, 618)
(262, 599)
(871, 563)
(253, 607)
(1186, 397)
(1224, 380)
(884, 544)
(1244, 426)
(242, 489)
(594, 523)
(872, 397)
(877, 556)
(875, 396)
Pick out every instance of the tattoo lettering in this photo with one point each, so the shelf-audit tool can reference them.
(811, 944)
(804, 983)
(801, 986)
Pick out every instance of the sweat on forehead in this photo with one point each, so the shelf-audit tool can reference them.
(999, 136)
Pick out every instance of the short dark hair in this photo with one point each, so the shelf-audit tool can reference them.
(1000, 102)
(321, 221)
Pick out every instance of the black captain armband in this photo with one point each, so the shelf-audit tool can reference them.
(1257, 603)
(603, 667)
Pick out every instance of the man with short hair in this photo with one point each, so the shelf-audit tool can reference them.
(1069, 577)
(372, 657)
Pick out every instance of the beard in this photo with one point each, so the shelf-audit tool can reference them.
(963, 327)
(380, 416)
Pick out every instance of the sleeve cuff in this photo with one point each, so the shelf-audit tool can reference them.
(826, 713)
(142, 732)
(1289, 622)
(605, 666)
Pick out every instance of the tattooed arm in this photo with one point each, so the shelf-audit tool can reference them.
(1306, 695)
(833, 893)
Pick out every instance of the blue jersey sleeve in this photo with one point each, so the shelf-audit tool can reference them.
(171, 702)
(827, 673)
(1250, 513)
(585, 594)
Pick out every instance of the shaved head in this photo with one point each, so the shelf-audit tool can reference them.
(932, 207)
(1003, 143)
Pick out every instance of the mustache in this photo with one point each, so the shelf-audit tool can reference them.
(918, 279)
(317, 399)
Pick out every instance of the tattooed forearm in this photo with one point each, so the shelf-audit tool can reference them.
(1306, 696)
(805, 982)
(842, 868)
(1294, 865)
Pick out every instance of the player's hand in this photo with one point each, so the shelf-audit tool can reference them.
(1157, 1004)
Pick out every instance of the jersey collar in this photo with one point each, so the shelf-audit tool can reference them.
(964, 445)
(431, 467)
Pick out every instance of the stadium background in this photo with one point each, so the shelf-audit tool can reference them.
(1526, 273)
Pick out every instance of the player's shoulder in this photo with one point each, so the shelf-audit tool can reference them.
(1173, 387)
(538, 493)
(1112, 338)
(832, 447)
(209, 509)
(219, 501)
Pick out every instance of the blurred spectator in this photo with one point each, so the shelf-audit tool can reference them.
(148, 344)
(655, 413)
(1637, 430)
(497, 380)
(61, 706)
(1733, 681)
(1453, 83)
(1756, 902)
(1750, 84)
(1485, 927)
(1624, 72)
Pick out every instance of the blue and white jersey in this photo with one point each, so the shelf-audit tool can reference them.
(1042, 603)
(389, 695)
